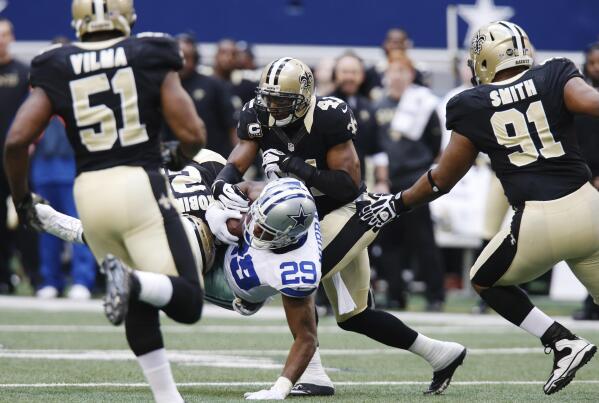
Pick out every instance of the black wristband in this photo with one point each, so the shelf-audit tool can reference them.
(400, 206)
(434, 186)
(229, 174)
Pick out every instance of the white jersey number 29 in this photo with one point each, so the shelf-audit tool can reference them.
(529, 154)
(123, 84)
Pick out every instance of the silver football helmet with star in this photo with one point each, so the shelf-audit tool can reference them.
(281, 216)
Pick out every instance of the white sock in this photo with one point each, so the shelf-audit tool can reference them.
(315, 373)
(438, 353)
(155, 289)
(157, 371)
(536, 322)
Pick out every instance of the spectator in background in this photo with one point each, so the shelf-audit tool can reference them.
(225, 64)
(53, 175)
(410, 133)
(587, 130)
(396, 40)
(348, 75)
(14, 87)
(245, 56)
(211, 97)
(323, 75)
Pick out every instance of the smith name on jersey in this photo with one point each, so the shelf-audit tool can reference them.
(523, 125)
(257, 274)
(327, 123)
(108, 94)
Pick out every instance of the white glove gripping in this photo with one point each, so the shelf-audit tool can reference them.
(278, 391)
(60, 225)
(271, 159)
(381, 211)
(217, 216)
(230, 196)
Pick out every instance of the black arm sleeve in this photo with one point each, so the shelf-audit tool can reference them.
(334, 183)
(229, 174)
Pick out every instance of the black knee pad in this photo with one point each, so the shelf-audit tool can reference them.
(355, 323)
(142, 327)
(187, 301)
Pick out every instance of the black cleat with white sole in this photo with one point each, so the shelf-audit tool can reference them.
(570, 354)
(442, 378)
(310, 389)
(118, 289)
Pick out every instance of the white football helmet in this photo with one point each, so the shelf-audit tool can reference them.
(281, 216)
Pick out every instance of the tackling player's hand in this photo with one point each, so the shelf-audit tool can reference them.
(27, 213)
(382, 209)
(271, 160)
(216, 217)
(230, 196)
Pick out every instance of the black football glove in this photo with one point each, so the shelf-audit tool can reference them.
(27, 213)
(172, 156)
(230, 196)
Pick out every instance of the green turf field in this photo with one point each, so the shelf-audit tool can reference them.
(54, 355)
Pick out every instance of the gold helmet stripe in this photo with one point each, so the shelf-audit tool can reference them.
(274, 69)
(515, 35)
(98, 9)
(278, 72)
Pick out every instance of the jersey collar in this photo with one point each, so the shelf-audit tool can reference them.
(510, 80)
(99, 44)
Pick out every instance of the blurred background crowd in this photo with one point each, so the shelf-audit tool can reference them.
(399, 103)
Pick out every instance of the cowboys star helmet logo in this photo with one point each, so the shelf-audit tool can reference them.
(477, 43)
(300, 218)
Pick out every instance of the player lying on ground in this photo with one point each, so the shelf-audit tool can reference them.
(522, 117)
(311, 138)
(280, 252)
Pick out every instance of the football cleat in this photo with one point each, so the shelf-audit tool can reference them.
(569, 355)
(310, 389)
(118, 289)
(442, 378)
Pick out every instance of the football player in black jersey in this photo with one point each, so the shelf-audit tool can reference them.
(113, 91)
(522, 117)
(311, 137)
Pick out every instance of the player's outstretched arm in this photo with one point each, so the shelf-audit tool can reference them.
(31, 119)
(302, 323)
(181, 116)
(580, 97)
(454, 163)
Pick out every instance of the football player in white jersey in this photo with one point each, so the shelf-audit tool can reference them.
(280, 251)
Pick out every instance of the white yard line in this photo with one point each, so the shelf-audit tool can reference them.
(233, 384)
(242, 358)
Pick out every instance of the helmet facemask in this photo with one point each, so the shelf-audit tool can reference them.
(279, 108)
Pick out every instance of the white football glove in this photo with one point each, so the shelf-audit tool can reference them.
(60, 225)
(230, 196)
(246, 308)
(380, 211)
(270, 163)
(216, 217)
